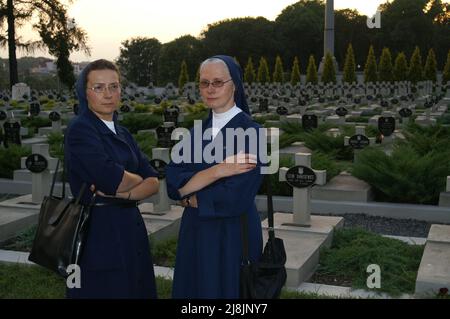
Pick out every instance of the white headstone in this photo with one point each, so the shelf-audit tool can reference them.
(19, 90)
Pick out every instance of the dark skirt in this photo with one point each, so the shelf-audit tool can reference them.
(116, 262)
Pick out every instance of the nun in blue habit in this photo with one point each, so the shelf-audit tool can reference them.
(216, 194)
(116, 261)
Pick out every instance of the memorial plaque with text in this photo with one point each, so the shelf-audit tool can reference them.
(341, 111)
(386, 125)
(358, 141)
(36, 163)
(309, 122)
(300, 177)
(405, 112)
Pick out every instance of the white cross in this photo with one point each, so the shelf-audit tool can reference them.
(359, 130)
(302, 196)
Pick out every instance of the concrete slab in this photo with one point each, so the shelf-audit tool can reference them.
(439, 233)
(434, 269)
(343, 187)
(161, 225)
(302, 244)
(16, 220)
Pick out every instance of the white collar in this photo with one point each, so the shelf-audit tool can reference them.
(228, 115)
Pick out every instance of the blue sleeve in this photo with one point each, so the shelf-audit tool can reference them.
(177, 175)
(231, 196)
(145, 170)
(90, 160)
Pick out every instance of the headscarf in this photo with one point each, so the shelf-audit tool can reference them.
(237, 76)
(80, 88)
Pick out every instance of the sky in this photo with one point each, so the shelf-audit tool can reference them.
(110, 22)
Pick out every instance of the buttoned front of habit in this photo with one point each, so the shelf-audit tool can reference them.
(209, 251)
(116, 262)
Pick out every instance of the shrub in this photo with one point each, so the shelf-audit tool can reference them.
(406, 176)
(164, 252)
(10, 159)
(146, 142)
(353, 250)
(136, 122)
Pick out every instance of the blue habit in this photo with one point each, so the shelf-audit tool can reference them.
(116, 262)
(209, 251)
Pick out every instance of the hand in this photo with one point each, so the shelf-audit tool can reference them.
(99, 193)
(189, 202)
(236, 164)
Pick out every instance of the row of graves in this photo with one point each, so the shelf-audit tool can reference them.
(336, 103)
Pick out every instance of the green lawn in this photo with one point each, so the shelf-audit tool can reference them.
(31, 282)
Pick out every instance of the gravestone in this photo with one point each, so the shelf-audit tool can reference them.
(309, 122)
(263, 105)
(301, 177)
(35, 108)
(19, 90)
(164, 135)
(386, 125)
(161, 156)
(11, 133)
(55, 117)
(39, 163)
(358, 141)
(171, 115)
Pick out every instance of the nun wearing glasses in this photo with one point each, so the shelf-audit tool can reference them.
(216, 194)
(99, 153)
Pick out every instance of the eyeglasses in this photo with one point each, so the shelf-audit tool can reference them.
(100, 88)
(216, 83)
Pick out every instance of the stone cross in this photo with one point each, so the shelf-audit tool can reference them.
(357, 141)
(40, 164)
(162, 202)
(302, 196)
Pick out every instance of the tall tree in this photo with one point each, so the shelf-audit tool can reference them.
(350, 65)
(263, 71)
(138, 60)
(184, 76)
(446, 71)
(278, 73)
(329, 72)
(385, 68)
(415, 67)
(52, 19)
(311, 71)
(185, 48)
(401, 68)
(370, 70)
(430, 66)
(295, 73)
(249, 73)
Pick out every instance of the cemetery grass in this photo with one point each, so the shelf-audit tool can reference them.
(33, 282)
(353, 250)
(163, 251)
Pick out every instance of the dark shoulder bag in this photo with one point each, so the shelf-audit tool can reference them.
(61, 230)
(265, 278)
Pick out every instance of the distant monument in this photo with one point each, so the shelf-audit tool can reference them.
(328, 35)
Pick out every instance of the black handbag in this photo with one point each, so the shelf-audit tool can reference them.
(263, 279)
(61, 231)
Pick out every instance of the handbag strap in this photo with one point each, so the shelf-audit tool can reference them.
(63, 175)
(271, 229)
(244, 234)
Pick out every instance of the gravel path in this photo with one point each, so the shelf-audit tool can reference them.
(388, 226)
